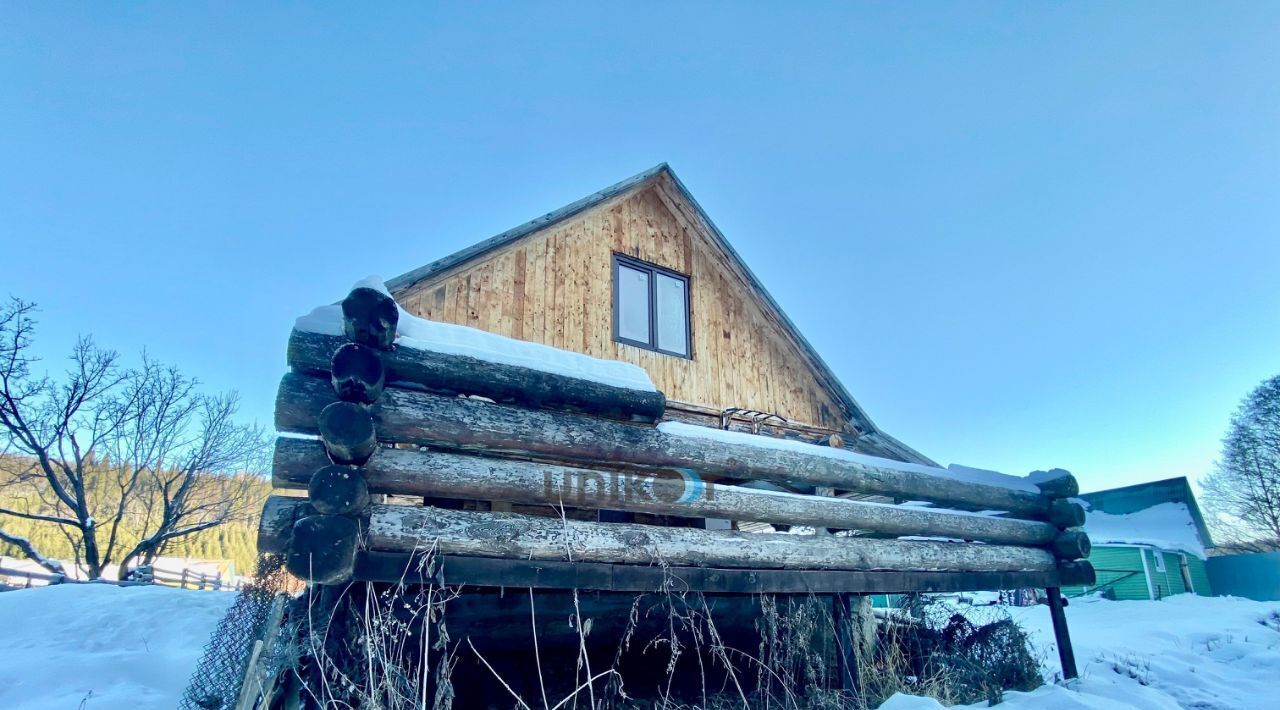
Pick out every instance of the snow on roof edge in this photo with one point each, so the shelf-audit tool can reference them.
(1168, 526)
(452, 339)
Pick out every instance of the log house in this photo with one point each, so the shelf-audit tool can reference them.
(635, 273)
(638, 272)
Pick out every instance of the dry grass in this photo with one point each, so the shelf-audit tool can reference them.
(388, 646)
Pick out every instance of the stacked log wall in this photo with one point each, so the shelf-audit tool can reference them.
(407, 421)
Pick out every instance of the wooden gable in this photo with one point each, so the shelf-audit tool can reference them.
(554, 285)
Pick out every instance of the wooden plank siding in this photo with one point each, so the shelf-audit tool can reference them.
(555, 287)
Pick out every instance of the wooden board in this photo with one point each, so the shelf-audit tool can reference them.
(485, 572)
(515, 536)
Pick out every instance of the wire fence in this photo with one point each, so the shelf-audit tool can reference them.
(217, 681)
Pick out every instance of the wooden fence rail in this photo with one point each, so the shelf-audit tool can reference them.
(187, 578)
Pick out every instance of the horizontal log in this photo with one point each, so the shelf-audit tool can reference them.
(514, 536)
(370, 317)
(542, 574)
(470, 425)
(459, 374)
(451, 475)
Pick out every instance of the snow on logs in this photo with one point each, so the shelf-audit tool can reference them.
(450, 373)
(425, 419)
(556, 428)
(323, 538)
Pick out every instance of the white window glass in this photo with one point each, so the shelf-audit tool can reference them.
(673, 310)
(633, 304)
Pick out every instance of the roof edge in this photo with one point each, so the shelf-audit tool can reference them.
(855, 410)
(409, 278)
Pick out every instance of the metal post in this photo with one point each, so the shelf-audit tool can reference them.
(1066, 655)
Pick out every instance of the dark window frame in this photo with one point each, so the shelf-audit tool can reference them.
(620, 260)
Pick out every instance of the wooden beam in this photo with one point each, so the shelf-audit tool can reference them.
(469, 425)
(1066, 654)
(419, 568)
(458, 374)
(451, 475)
(515, 536)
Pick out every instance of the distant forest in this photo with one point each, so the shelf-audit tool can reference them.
(234, 540)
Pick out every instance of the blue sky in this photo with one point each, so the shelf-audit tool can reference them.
(1025, 235)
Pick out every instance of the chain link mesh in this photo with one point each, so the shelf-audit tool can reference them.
(216, 682)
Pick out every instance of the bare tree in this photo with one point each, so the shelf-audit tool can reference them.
(1243, 493)
(110, 448)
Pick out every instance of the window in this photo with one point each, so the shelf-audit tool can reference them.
(1159, 558)
(650, 307)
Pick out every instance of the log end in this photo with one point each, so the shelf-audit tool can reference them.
(276, 525)
(323, 549)
(357, 373)
(1071, 545)
(370, 317)
(348, 433)
(1066, 514)
(339, 490)
(1076, 573)
(1056, 483)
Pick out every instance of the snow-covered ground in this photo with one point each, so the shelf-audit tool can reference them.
(103, 647)
(1181, 652)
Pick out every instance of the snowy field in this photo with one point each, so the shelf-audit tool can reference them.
(102, 647)
(1181, 652)
(98, 646)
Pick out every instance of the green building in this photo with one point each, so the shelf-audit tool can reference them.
(1149, 541)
